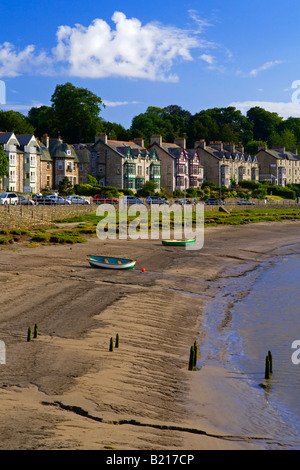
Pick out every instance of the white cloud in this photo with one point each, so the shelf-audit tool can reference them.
(14, 63)
(200, 22)
(283, 109)
(22, 107)
(130, 50)
(209, 59)
(265, 66)
(112, 104)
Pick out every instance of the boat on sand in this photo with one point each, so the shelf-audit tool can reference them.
(110, 262)
(178, 242)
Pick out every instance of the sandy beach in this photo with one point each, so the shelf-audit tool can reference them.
(66, 390)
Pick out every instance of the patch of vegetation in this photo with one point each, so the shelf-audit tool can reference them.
(6, 240)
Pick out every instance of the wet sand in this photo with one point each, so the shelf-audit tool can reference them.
(66, 390)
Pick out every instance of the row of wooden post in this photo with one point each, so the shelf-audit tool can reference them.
(111, 343)
(35, 332)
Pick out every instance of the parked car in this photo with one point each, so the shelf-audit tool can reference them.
(8, 198)
(133, 200)
(25, 201)
(50, 200)
(183, 201)
(77, 200)
(245, 202)
(103, 199)
(39, 199)
(156, 200)
(214, 201)
(58, 200)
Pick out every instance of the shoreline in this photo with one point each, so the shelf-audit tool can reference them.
(66, 391)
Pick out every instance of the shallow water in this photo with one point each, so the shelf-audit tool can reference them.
(240, 334)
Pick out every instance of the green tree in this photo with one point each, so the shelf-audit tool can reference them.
(65, 187)
(92, 180)
(252, 146)
(3, 163)
(12, 121)
(265, 124)
(226, 124)
(170, 122)
(148, 189)
(43, 121)
(76, 112)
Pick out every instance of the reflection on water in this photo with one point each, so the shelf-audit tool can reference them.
(267, 318)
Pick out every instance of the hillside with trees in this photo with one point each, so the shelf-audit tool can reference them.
(75, 116)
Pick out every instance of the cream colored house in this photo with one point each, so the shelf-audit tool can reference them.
(14, 180)
(226, 163)
(279, 166)
(29, 146)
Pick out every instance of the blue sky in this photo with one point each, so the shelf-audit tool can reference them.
(194, 54)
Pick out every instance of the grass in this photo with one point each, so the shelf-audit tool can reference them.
(62, 236)
(86, 225)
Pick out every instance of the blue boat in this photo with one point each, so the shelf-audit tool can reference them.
(110, 263)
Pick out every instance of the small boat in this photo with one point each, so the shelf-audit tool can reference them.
(110, 263)
(178, 242)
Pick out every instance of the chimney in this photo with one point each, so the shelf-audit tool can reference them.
(240, 148)
(45, 139)
(293, 150)
(180, 141)
(217, 145)
(230, 147)
(279, 148)
(262, 147)
(102, 137)
(139, 141)
(156, 139)
(200, 143)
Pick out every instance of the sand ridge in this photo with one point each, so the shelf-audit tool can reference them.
(65, 390)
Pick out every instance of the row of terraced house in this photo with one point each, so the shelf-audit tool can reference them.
(36, 164)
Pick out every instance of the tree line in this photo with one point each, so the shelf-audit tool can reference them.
(74, 115)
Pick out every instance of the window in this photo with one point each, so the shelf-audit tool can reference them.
(59, 165)
(12, 176)
(48, 181)
(140, 170)
(12, 160)
(48, 165)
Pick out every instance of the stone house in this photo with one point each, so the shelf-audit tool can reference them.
(84, 160)
(226, 163)
(65, 162)
(31, 170)
(180, 167)
(46, 162)
(122, 164)
(14, 180)
(279, 166)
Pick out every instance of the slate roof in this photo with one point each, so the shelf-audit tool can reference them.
(5, 136)
(281, 155)
(59, 149)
